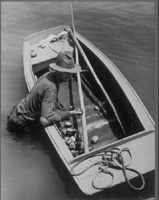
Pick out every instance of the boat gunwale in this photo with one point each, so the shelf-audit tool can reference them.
(31, 36)
(112, 145)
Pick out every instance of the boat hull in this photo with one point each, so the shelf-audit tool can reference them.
(141, 142)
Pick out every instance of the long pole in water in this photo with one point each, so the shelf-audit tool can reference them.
(84, 125)
(95, 76)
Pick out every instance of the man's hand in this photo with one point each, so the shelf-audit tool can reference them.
(76, 111)
(45, 122)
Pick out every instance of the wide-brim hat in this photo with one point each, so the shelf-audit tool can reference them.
(65, 63)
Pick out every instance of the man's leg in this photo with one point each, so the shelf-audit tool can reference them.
(16, 123)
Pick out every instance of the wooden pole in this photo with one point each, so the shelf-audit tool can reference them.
(96, 78)
(84, 125)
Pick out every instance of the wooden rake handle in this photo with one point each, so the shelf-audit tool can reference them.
(84, 125)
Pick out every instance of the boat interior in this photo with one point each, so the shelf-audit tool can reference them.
(100, 118)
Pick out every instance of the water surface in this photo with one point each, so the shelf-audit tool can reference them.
(125, 32)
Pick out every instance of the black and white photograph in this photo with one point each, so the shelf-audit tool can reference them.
(78, 101)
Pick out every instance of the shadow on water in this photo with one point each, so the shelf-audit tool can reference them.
(39, 140)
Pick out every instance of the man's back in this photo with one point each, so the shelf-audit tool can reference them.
(45, 90)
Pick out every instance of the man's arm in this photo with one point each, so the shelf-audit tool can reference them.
(57, 117)
(49, 114)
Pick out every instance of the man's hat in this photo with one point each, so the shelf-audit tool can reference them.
(65, 63)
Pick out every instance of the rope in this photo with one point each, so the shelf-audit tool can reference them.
(79, 173)
(102, 170)
(124, 168)
(112, 158)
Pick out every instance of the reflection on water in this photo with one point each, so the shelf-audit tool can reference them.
(124, 32)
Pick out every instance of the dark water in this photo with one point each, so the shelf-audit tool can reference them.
(122, 31)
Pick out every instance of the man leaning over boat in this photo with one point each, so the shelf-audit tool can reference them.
(42, 104)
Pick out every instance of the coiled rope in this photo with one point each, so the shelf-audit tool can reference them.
(112, 158)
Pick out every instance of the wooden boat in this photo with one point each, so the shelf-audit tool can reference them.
(116, 115)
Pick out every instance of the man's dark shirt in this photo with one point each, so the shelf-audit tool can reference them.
(42, 101)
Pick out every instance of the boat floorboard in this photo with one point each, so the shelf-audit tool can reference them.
(104, 132)
(105, 127)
